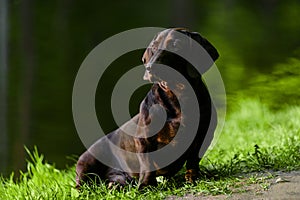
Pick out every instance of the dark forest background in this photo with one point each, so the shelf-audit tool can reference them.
(43, 44)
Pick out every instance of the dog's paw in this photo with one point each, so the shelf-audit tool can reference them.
(151, 182)
(117, 182)
(191, 175)
(115, 186)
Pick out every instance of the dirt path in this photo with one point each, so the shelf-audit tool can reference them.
(284, 186)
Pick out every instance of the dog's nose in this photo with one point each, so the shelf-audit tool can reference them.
(147, 76)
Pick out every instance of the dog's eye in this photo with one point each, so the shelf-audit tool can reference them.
(154, 46)
(148, 69)
(154, 49)
(174, 45)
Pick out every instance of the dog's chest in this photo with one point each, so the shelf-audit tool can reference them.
(167, 100)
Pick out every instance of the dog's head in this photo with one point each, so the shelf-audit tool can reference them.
(166, 48)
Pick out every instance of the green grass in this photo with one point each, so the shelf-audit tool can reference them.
(254, 139)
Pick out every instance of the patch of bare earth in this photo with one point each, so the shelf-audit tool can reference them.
(278, 186)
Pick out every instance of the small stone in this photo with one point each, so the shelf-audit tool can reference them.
(281, 180)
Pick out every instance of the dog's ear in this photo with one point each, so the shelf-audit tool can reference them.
(193, 73)
(211, 50)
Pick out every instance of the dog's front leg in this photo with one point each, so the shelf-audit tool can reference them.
(192, 168)
(147, 175)
(146, 179)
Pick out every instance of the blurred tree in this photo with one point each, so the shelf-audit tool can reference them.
(27, 60)
(3, 86)
(183, 13)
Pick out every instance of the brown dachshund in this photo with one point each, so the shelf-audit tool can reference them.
(165, 102)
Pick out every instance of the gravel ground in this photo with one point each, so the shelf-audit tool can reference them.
(284, 186)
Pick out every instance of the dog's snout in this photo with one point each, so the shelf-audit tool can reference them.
(147, 76)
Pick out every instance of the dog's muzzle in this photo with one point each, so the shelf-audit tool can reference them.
(147, 76)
